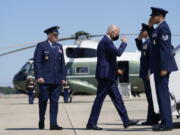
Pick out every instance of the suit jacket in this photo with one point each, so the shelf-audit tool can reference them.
(161, 57)
(106, 59)
(144, 60)
(49, 63)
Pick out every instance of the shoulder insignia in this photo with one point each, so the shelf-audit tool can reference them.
(165, 37)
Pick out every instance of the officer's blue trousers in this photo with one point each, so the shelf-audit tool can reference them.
(163, 97)
(151, 115)
(107, 87)
(51, 92)
(31, 96)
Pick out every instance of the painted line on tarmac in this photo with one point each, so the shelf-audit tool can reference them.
(70, 121)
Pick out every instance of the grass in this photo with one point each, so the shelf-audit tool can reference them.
(7, 90)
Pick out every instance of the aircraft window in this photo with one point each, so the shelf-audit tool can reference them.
(82, 70)
(32, 67)
(80, 52)
(26, 67)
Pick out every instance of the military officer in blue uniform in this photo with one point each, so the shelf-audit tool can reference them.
(50, 73)
(106, 75)
(162, 63)
(144, 47)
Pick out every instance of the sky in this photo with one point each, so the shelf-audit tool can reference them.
(23, 21)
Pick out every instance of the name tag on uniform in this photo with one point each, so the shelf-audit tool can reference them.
(154, 35)
(145, 47)
(46, 55)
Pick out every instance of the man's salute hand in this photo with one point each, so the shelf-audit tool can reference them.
(124, 39)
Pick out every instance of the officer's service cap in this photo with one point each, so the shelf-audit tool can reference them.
(53, 29)
(158, 11)
(144, 27)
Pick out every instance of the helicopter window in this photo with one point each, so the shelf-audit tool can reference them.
(32, 67)
(82, 70)
(80, 52)
(26, 67)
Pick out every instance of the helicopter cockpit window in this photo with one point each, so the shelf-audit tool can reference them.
(32, 68)
(81, 52)
(26, 67)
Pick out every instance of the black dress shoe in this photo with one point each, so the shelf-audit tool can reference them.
(41, 125)
(130, 123)
(161, 128)
(149, 123)
(56, 127)
(93, 127)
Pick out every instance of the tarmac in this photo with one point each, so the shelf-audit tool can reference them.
(17, 117)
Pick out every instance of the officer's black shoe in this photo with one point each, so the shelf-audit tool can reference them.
(130, 123)
(149, 123)
(56, 127)
(93, 127)
(41, 125)
(161, 128)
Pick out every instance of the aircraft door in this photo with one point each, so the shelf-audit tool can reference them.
(123, 72)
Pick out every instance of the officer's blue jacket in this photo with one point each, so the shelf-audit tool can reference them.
(144, 60)
(161, 57)
(49, 63)
(106, 59)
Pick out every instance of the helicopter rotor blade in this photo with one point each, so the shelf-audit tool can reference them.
(61, 39)
(35, 42)
(17, 50)
(28, 47)
(68, 38)
(124, 34)
(19, 45)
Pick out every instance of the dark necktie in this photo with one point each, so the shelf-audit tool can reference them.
(53, 45)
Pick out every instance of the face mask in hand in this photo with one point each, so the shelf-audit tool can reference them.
(115, 38)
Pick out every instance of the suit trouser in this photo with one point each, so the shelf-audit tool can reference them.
(107, 87)
(163, 97)
(151, 115)
(51, 92)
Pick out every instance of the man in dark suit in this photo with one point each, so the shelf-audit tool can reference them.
(50, 73)
(106, 75)
(144, 47)
(162, 63)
